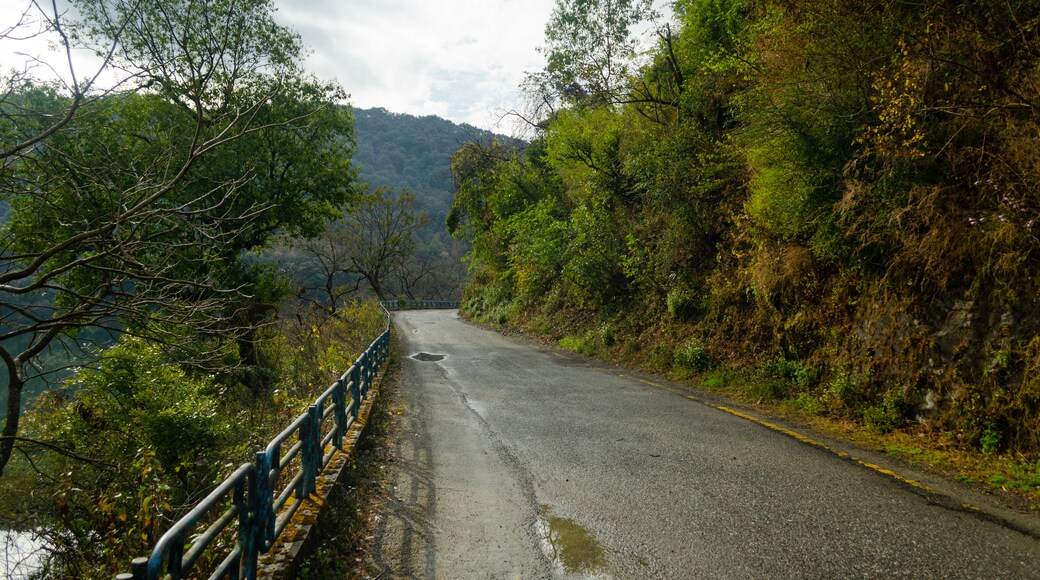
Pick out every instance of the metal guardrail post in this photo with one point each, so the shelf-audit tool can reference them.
(355, 387)
(262, 528)
(245, 496)
(311, 456)
(339, 399)
(362, 364)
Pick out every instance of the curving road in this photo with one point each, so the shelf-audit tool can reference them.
(515, 461)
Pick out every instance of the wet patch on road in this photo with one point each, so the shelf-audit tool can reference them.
(571, 547)
(427, 357)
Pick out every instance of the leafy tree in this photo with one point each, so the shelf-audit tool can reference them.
(590, 49)
(138, 437)
(130, 207)
(372, 243)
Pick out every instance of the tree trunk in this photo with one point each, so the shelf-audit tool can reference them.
(12, 416)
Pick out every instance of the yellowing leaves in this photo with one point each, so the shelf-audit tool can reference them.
(899, 105)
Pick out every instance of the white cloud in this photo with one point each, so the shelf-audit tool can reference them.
(459, 59)
(462, 60)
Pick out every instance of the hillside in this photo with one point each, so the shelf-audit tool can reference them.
(408, 152)
(829, 205)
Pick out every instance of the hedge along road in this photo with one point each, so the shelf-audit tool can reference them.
(516, 461)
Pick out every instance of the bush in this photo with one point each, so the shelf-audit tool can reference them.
(890, 413)
(683, 303)
(692, 355)
(803, 376)
(807, 403)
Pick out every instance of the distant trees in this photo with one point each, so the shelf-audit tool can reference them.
(131, 203)
(374, 243)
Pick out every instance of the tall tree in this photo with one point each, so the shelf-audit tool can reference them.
(589, 52)
(130, 207)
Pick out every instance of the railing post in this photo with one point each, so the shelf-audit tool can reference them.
(262, 501)
(176, 559)
(311, 452)
(362, 364)
(249, 526)
(368, 374)
(355, 387)
(339, 399)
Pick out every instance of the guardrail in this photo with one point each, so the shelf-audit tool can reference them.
(420, 304)
(254, 495)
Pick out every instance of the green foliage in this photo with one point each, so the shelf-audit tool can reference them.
(989, 441)
(140, 435)
(691, 355)
(590, 46)
(842, 182)
(135, 390)
(539, 248)
(889, 413)
(802, 376)
(683, 303)
(807, 403)
(842, 390)
(579, 344)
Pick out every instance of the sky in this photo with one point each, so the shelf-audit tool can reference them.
(462, 60)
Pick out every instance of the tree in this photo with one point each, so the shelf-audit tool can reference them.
(131, 206)
(589, 52)
(373, 242)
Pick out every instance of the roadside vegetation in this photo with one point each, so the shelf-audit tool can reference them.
(829, 208)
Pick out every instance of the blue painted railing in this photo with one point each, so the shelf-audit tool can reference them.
(255, 496)
(420, 304)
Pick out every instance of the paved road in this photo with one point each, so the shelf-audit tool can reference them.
(521, 462)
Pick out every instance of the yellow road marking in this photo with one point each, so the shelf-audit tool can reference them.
(808, 440)
(824, 446)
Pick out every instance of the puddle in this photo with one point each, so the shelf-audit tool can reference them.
(571, 546)
(427, 357)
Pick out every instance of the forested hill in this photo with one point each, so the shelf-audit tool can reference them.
(402, 247)
(404, 151)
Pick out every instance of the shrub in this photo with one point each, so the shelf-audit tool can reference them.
(683, 303)
(807, 403)
(692, 355)
(803, 376)
(891, 412)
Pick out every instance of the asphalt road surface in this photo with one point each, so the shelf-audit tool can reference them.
(515, 461)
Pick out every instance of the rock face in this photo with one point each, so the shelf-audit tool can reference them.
(972, 343)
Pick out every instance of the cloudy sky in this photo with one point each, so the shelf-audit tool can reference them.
(458, 59)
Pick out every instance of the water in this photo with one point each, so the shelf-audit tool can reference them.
(573, 549)
(21, 554)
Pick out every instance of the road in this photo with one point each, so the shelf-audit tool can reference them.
(515, 461)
